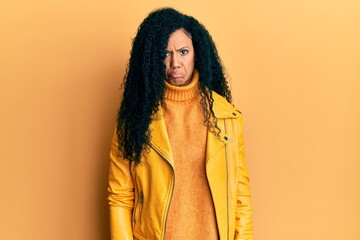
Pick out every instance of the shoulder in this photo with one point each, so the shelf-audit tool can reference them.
(223, 109)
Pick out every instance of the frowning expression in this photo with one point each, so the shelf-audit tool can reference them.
(180, 58)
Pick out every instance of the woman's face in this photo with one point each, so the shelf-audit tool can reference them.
(180, 59)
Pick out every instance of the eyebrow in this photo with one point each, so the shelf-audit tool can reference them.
(179, 48)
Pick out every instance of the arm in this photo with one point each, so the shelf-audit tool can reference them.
(243, 224)
(120, 195)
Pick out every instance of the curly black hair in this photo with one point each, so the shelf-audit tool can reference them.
(144, 80)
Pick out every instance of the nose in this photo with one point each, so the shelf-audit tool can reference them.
(174, 61)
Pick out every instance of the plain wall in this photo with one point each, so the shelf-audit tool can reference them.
(294, 73)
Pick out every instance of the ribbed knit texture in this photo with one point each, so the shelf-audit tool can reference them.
(191, 214)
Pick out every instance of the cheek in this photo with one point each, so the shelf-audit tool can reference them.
(193, 59)
(167, 64)
(191, 62)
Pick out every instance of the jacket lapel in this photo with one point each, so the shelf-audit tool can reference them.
(216, 172)
(159, 138)
(223, 110)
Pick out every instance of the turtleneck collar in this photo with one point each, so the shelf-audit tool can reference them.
(183, 94)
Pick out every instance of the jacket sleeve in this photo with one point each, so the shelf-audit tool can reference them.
(120, 195)
(243, 225)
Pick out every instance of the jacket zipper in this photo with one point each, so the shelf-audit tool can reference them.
(173, 184)
(134, 214)
(227, 184)
(141, 205)
(141, 202)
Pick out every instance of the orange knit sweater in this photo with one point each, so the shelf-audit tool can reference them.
(191, 214)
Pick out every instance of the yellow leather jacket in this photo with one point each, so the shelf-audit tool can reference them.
(140, 196)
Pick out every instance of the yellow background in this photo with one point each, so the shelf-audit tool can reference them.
(294, 68)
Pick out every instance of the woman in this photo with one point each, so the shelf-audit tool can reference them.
(177, 168)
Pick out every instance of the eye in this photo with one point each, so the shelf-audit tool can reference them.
(168, 54)
(184, 52)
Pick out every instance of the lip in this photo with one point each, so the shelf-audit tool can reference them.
(175, 75)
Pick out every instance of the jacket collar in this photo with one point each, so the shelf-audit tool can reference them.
(222, 108)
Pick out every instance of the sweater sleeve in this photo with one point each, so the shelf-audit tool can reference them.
(120, 195)
(243, 225)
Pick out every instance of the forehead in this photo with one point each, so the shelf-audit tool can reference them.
(178, 38)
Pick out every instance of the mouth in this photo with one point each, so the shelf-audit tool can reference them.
(175, 75)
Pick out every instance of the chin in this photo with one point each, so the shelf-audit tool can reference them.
(176, 82)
